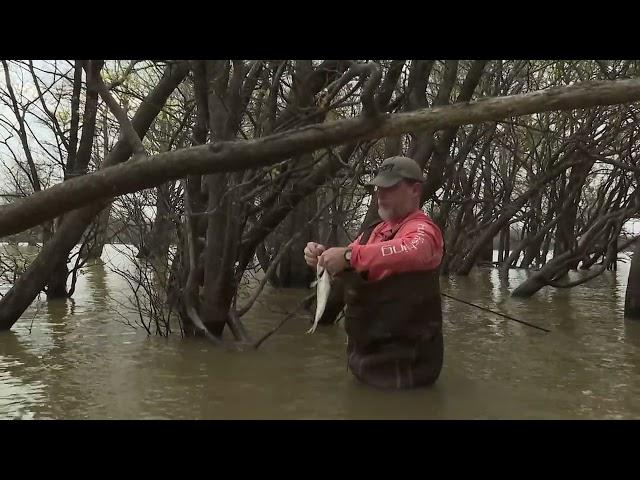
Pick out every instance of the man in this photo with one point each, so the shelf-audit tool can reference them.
(389, 281)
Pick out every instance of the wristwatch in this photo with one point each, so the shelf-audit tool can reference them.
(347, 255)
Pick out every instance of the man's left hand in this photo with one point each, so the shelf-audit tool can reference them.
(333, 260)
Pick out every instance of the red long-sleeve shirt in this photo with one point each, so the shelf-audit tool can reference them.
(416, 246)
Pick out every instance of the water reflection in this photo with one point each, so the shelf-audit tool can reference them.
(78, 361)
(20, 391)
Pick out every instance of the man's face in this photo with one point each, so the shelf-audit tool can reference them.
(399, 200)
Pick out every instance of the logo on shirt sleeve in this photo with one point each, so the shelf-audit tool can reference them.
(419, 238)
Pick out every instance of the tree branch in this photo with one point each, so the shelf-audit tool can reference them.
(126, 127)
(240, 155)
(119, 81)
(369, 70)
(274, 262)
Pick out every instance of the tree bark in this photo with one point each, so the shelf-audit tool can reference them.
(95, 244)
(162, 229)
(73, 225)
(292, 270)
(559, 265)
(77, 165)
(241, 155)
(492, 230)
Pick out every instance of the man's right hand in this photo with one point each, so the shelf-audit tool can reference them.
(311, 253)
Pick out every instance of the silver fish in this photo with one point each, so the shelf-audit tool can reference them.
(323, 287)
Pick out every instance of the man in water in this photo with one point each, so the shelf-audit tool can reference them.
(389, 278)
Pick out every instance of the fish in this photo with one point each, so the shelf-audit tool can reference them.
(323, 288)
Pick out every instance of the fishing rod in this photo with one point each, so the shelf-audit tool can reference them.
(307, 299)
(290, 315)
(496, 313)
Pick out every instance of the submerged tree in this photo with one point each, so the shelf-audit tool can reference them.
(237, 164)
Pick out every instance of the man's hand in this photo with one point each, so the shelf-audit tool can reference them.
(311, 253)
(333, 260)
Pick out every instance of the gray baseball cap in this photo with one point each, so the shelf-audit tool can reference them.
(394, 169)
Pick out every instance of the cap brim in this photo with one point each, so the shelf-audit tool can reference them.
(384, 181)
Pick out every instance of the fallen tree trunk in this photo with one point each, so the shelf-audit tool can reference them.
(240, 155)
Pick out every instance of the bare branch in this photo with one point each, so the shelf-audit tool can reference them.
(119, 81)
(125, 124)
(240, 155)
(274, 262)
(370, 71)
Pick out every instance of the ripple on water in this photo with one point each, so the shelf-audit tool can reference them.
(78, 360)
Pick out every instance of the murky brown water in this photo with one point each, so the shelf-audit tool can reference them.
(74, 360)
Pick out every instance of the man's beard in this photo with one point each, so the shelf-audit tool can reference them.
(385, 214)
